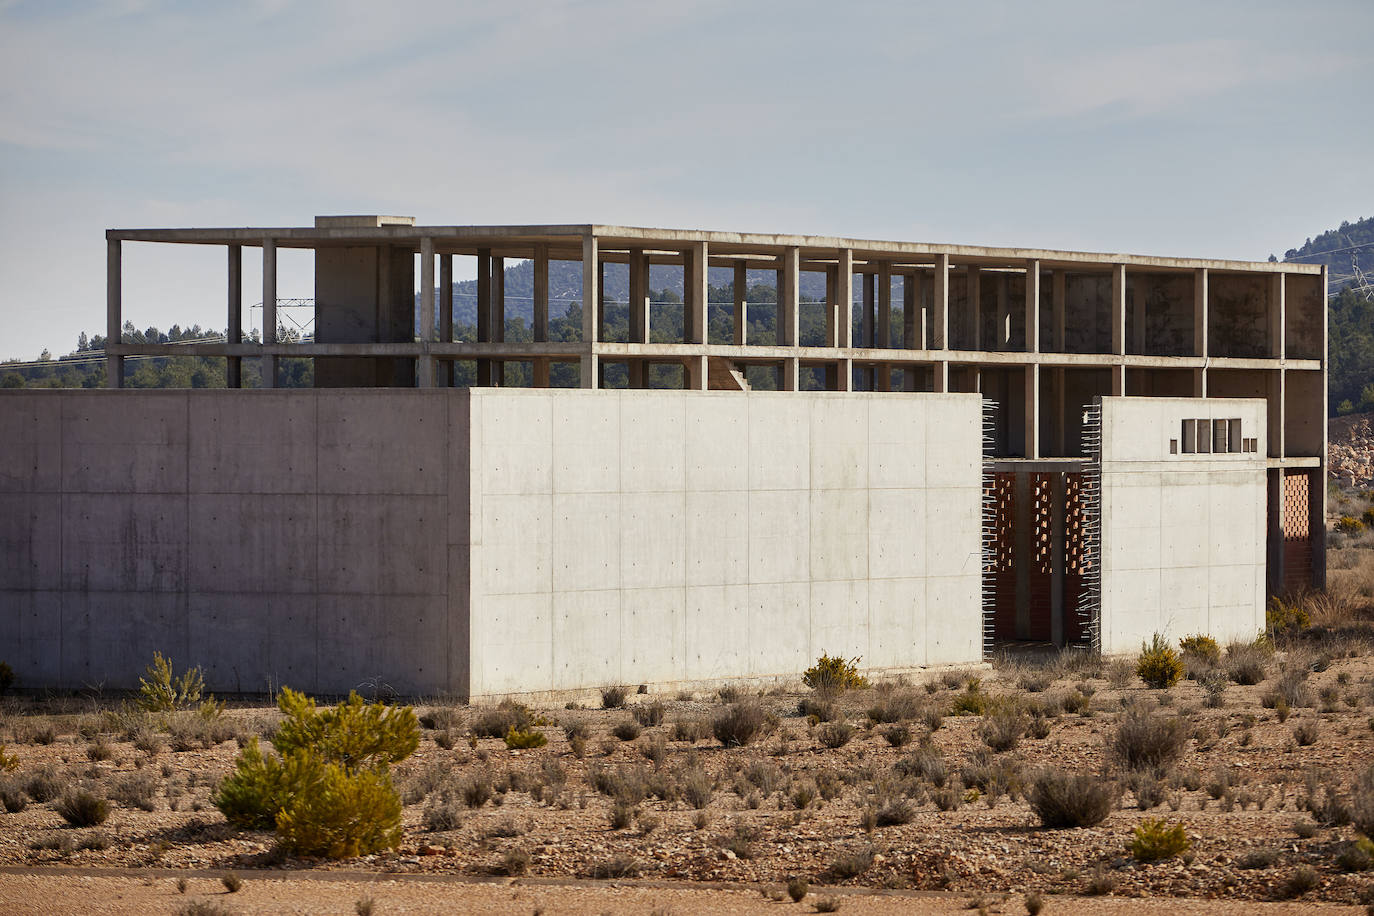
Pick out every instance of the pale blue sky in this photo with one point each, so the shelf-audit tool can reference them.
(1215, 129)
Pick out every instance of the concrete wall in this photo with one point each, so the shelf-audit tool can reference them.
(292, 537)
(1183, 535)
(665, 536)
(483, 541)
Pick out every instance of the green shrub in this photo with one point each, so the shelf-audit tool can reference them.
(1063, 799)
(834, 675)
(1202, 647)
(161, 691)
(1282, 619)
(525, 740)
(971, 702)
(1368, 517)
(1159, 665)
(83, 808)
(1349, 524)
(8, 762)
(328, 791)
(1156, 839)
(497, 721)
(342, 814)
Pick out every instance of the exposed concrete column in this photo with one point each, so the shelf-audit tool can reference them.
(591, 294)
(424, 364)
(1118, 380)
(741, 289)
(446, 316)
(1059, 291)
(866, 330)
(940, 304)
(1032, 430)
(1032, 306)
(1277, 317)
(975, 304)
(233, 329)
(1275, 382)
(498, 315)
(484, 312)
(541, 293)
(269, 310)
(883, 327)
(696, 374)
(695, 278)
(114, 319)
(541, 373)
(1119, 309)
(791, 369)
(638, 320)
(940, 381)
(789, 298)
(831, 330)
(844, 301)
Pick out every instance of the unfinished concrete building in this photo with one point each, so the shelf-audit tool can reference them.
(983, 446)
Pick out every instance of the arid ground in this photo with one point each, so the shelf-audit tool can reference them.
(884, 799)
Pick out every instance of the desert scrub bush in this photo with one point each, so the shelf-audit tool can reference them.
(1119, 672)
(1002, 730)
(614, 697)
(894, 812)
(1061, 799)
(738, 724)
(160, 690)
(697, 788)
(895, 705)
(498, 721)
(1143, 740)
(898, 735)
(1247, 663)
(819, 709)
(834, 675)
(12, 797)
(1349, 524)
(83, 808)
(1362, 803)
(442, 719)
(1159, 666)
(649, 715)
(852, 863)
(926, 762)
(1284, 619)
(328, 791)
(1201, 647)
(1307, 732)
(518, 740)
(626, 731)
(1035, 681)
(45, 785)
(835, 734)
(8, 762)
(136, 790)
(1155, 839)
(1357, 855)
(1304, 878)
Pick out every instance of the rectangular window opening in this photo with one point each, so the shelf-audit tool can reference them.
(1189, 437)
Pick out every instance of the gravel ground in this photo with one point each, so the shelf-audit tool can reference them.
(1244, 845)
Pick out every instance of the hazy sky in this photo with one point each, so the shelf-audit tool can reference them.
(1211, 129)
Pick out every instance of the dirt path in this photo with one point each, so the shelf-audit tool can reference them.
(138, 891)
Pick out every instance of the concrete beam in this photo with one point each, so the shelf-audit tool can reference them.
(233, 330)
(114, 320)
(591, 296)
(269, 309)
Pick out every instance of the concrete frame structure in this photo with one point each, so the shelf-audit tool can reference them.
(1088, 362)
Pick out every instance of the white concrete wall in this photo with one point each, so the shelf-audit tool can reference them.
(673, 537)
(1183, 535)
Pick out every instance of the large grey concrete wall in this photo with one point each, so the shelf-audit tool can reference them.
(675, 537)
(1183, 535)
(292, 537)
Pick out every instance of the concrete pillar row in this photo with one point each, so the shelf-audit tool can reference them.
(233, 331)
(269, 310)
(114, 319)
(639, 296)
(696, 273)
(789, 298)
